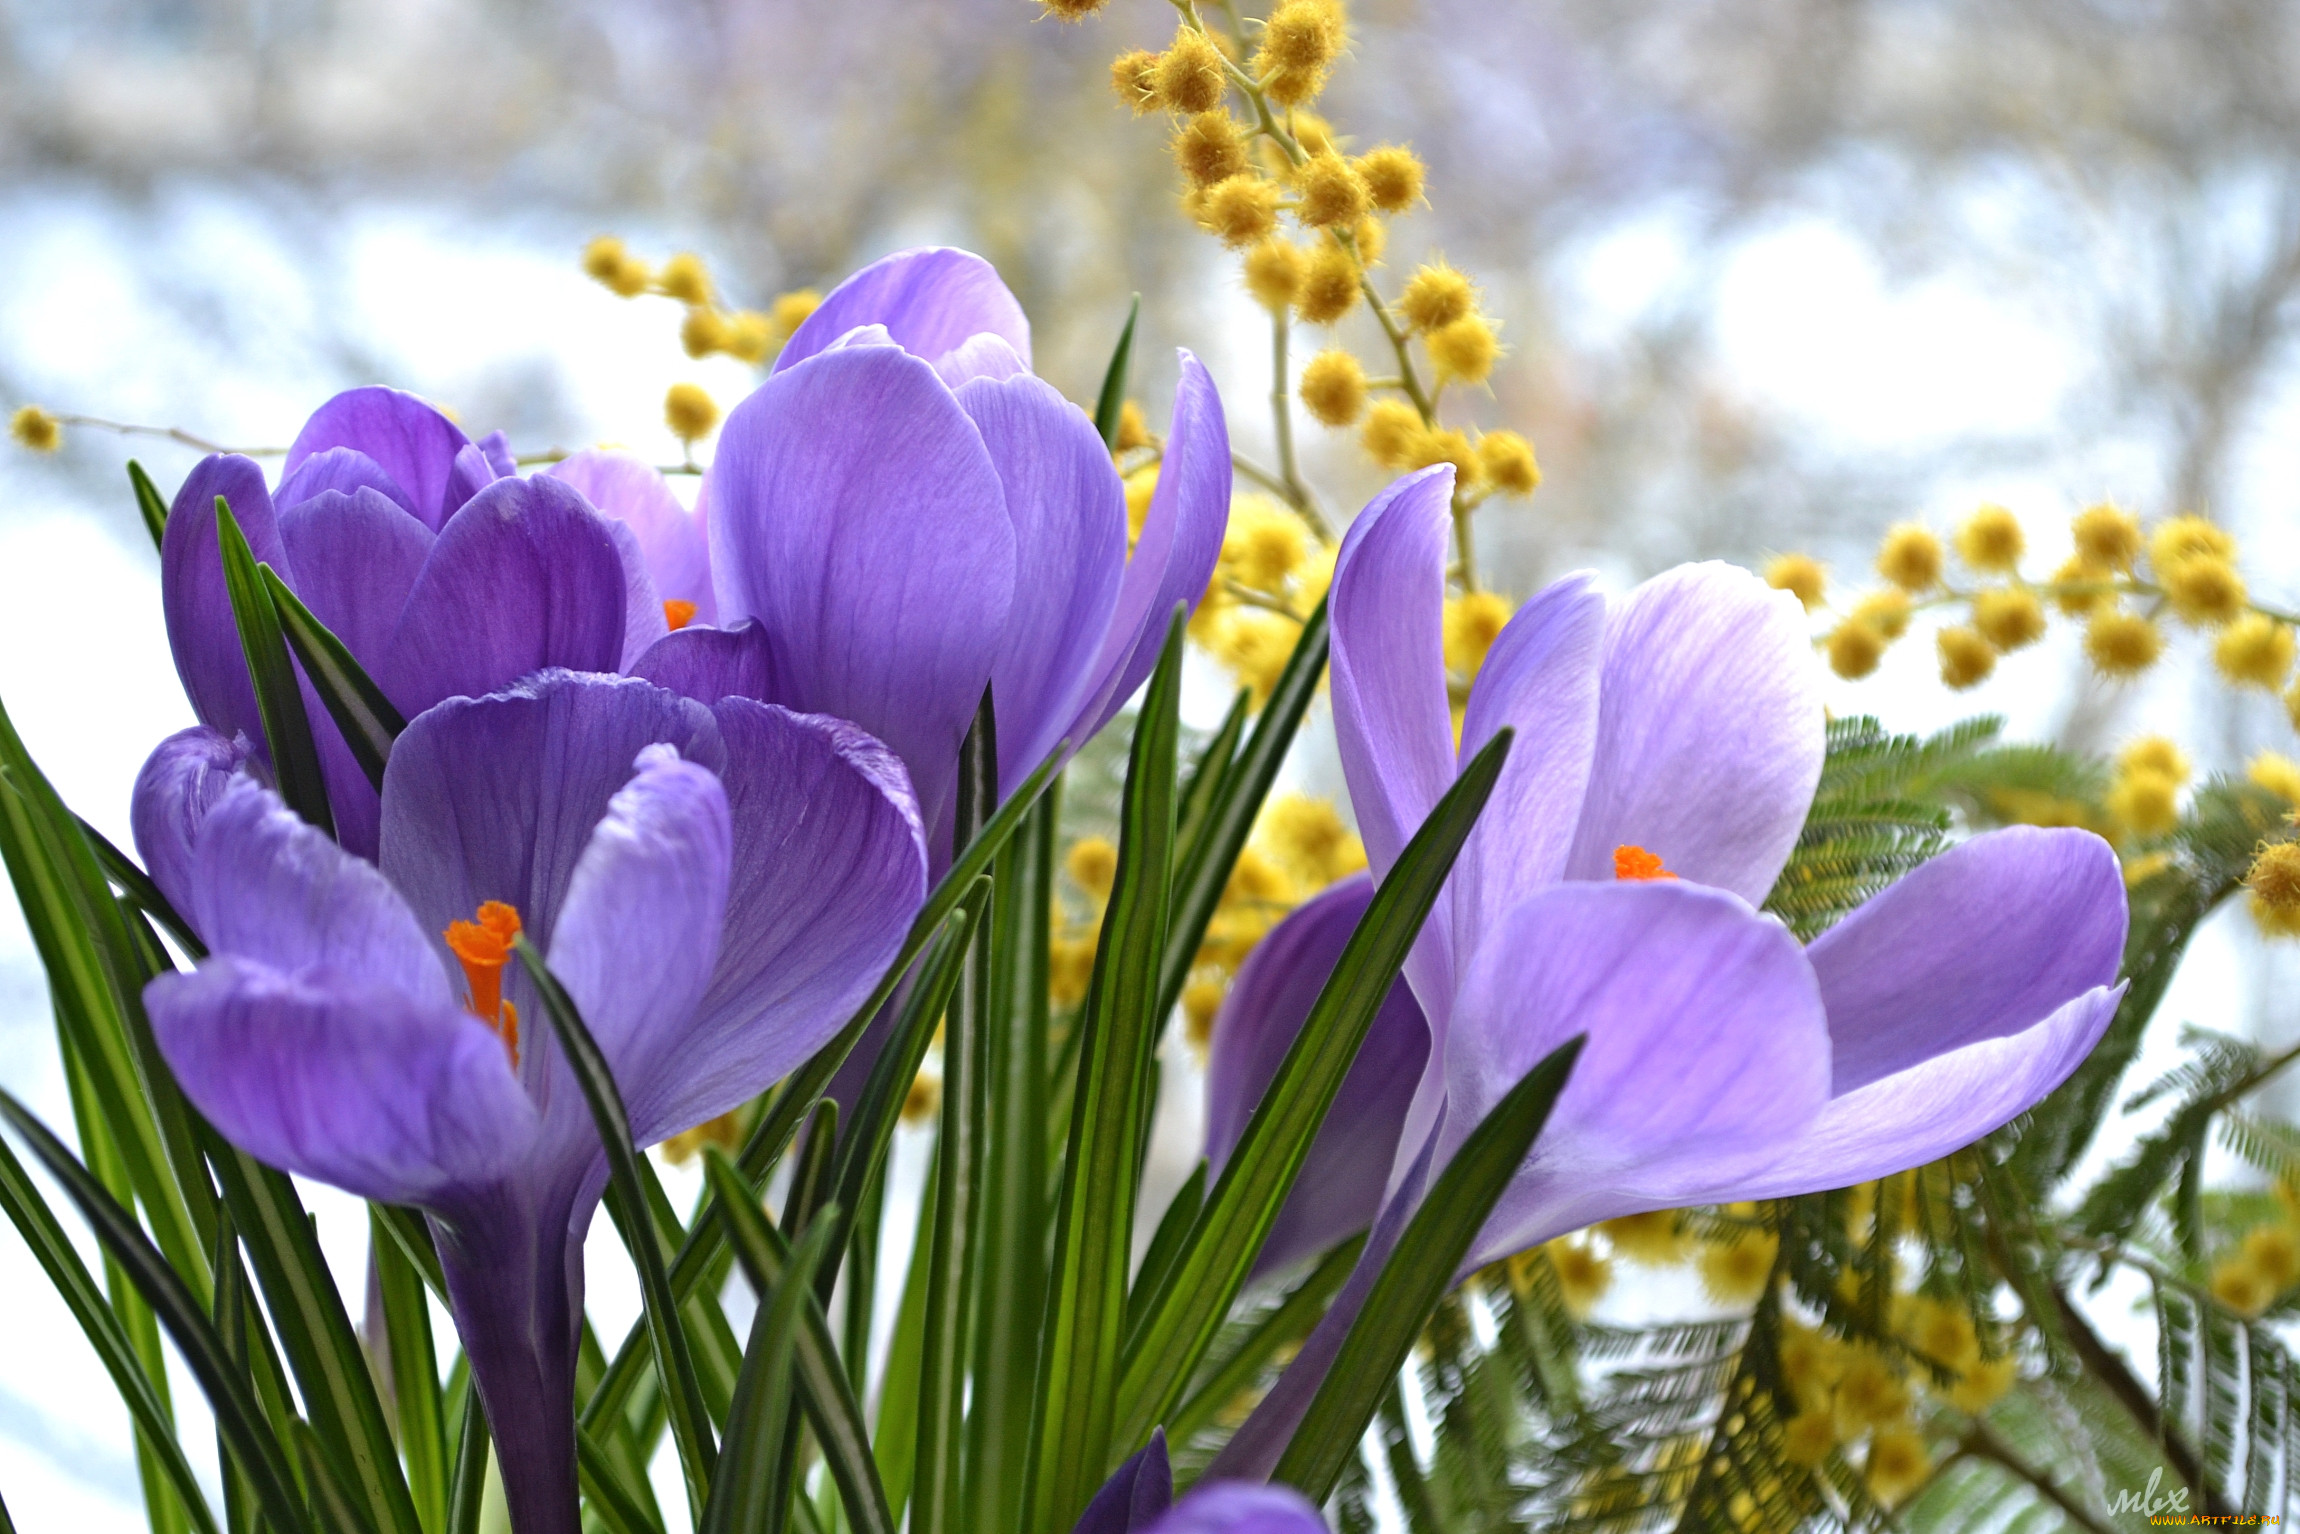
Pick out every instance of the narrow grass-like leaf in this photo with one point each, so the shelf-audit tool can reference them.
(53, 1250)
(1118, 1027)
(412, 1236)
(1110, 404)
(1184, 1318)
(1221, 834)
(627, 1203)
(1207, 776)
(150, 505)
(279, 697)
(894, 1435)
(754, 1487)
(1288, 1324)
(1418, 1273)
(137, 888)
(468, 1489)
(603, 1489)
(368, 719)
(414, 1374)
(1166, 1243)
(824, 1389)
(238, 1417)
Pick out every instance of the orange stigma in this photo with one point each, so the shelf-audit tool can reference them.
(678, 614)
(483, 947)
(1634, 862)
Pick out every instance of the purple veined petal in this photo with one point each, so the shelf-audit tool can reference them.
(411, 441)
(526, 576)
(638, 935)
(645, 619)
(1241, 1507)
(932, 300)
(344, 470)
(495, 447)
(1069, 515)
(1939, 1105)
(333, 1075)
(178, 785)
(629, 490)
(1339, 1189)
(1979, 943)
(201, 633)
(1174, 557)
(1708, 1051)
(1709, 733)
(857, 515)
(268, 887)
(1136, 1495)
(829, 869)
(1541, 679)
(708, 664)
(495, 798)
(982, 356)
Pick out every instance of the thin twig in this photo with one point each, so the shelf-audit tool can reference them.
(172, 433)
(1981, 1442)
(2107, 1366)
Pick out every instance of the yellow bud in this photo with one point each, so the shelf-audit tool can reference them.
(2122, 644)
(2145, 803)
(1444, 445)
(2083, 586)
(1391, 431)
(1329, 192)
(2204, 589)
(1807, 1438)
(1991, 539)
(1473, 622)
(2275, 878)
(2107, 535)
(791, 310)
(1072, 10)
(1854, 649)
(703, 332)
(1307, 836)
(1300, 35)
(2292, 705)
(1737, 1272)
(1070, 966)
(603, 258)
(1334, 387)
(1134, 76)
(685, 278)
(1255, 646)
(1189, 74)
(924, 1099)
(1435, 296)
(750, 336)
(1966, 658)
(1650, 1240)
(1899, 1464)
(1885, 611)
(1984, 1383)
(689, 412)
(1910, 557)
(1582, 1276)
(1393, 175)
(1240, 209)
(1201, 1003)
(2009, 617)
(2154, 753)
(36, 429)
(1464, 351)
(1293, 87)
(1870, 1393)
(1274, 273)
(2277, 773)
(1092, 863)
(1801, 575)
(2255, 651)
(1509, 464)
(1263, 544)
(2188, 536)
(2240, 1286)
(2274, 1250)
(1133, 431)
(1329, 287)
(1210, 147)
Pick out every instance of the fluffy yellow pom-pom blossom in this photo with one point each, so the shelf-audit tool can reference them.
(36, 429)
(689, 412)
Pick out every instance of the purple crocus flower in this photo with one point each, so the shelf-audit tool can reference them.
(1667, 748)
(716, 886)
(444, 576)
(1139, 1499)
(905, 514)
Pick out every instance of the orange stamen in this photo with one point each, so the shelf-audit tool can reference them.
(1633, 862)
(678, 614)
(483, 947)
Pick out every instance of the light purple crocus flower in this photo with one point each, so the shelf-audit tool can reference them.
(905, 514)
(717, 887)
(1139, 1499)
(1680, 726)
(443, 574)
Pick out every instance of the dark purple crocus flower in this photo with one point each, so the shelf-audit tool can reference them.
(1136, 1496)
(717, 887)
(1139, 1499)
(906, 514)
(1666, 753)
(444, 577)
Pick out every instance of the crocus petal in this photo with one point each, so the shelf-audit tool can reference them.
(412, 442)
(1174, 555)
(345, 470)
(201, 633)
(857, 515)
(1136, 1495)
(1938, 1105)
(639, 933)
(830, 867)
(383, 1094)
(982, 356)
(1980, 943)
(1069, 515)
(495, 798)
(708, 664)
(931, 300)
(1340, 1185)
(644, 618)
(495, 447)
(1241, 1507)
(526, 576)
(1709, 733)
(179, 784)
(629, 490)
(1707, 1051)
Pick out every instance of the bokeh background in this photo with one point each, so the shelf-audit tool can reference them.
(1773, 274)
